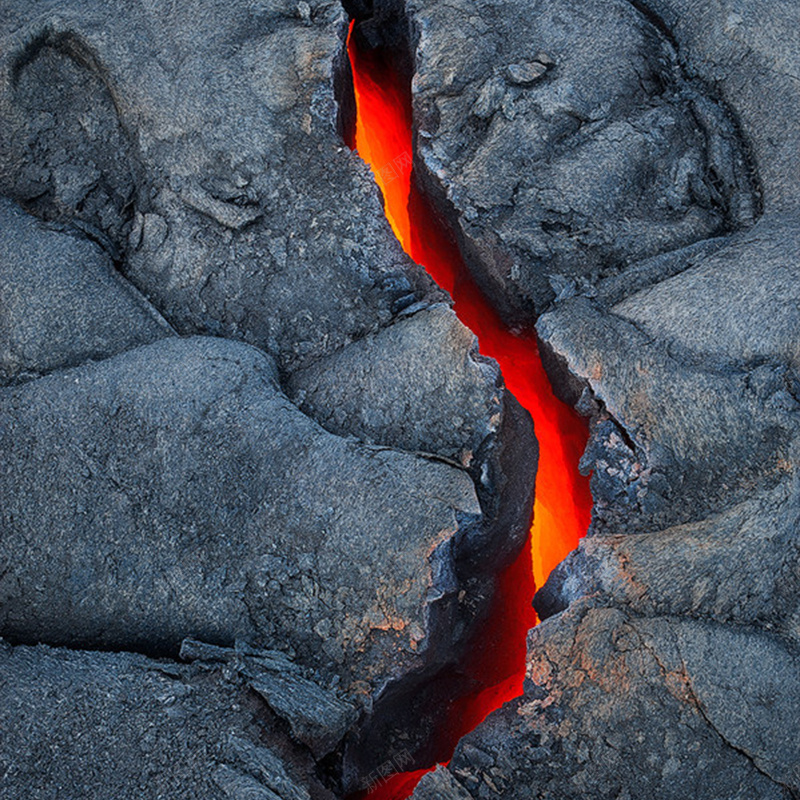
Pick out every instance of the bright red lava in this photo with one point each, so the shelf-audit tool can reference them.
(383, 138)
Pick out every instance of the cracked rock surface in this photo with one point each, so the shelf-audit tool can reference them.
(565, 140)
(223, 519)
(194, 268)
(63, 301)
(621, 705)
(91, 724)
(255, 476)
(667, 665)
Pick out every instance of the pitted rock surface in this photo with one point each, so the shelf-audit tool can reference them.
(92, 724)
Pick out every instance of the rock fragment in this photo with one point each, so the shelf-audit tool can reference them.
(525, 73)
(317, 716)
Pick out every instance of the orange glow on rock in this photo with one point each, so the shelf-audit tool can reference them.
(383, 138)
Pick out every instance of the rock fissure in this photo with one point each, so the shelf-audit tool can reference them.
(312, 456)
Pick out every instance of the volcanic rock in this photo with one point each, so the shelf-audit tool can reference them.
(183, 494)
(666, 666)
(621, 706)
(421, 385)
(748, 51)
(63, 302)
(597, 154)
(741, 562)
(94, 725)
(201, 141)
(685, 436)
(154, 490)
(322, 496)
(739, 303)
(317, 716)
(376, 388)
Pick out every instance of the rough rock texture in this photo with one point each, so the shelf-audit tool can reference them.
(667, 666)
(181, 169)
(748, 50)
(62, 301)
(628, 168)
(564, 139)
(183, 494)
(422, 386)
(621, 706)
(749, 295)
(684, 436)
(199, 140)
(95, 725)
(368, 389)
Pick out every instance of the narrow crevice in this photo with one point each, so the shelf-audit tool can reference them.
(489, 669)
(344, 94)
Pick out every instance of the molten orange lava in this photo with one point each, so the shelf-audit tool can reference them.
(383, 138)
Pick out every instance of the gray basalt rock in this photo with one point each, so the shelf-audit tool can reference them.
(741, 563)
(739, 304)
(96, 725)
(62, 301)
(375, 388)
(666, 666)
(440, 784)
(422, 386)
(184, 495)
(565, 139)
(317, 716)
(621, 706)
(200, 143)
(747, 50)
(629, 168)
(674, 438)
(171, 489)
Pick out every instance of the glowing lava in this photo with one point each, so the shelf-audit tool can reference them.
(383, 138)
